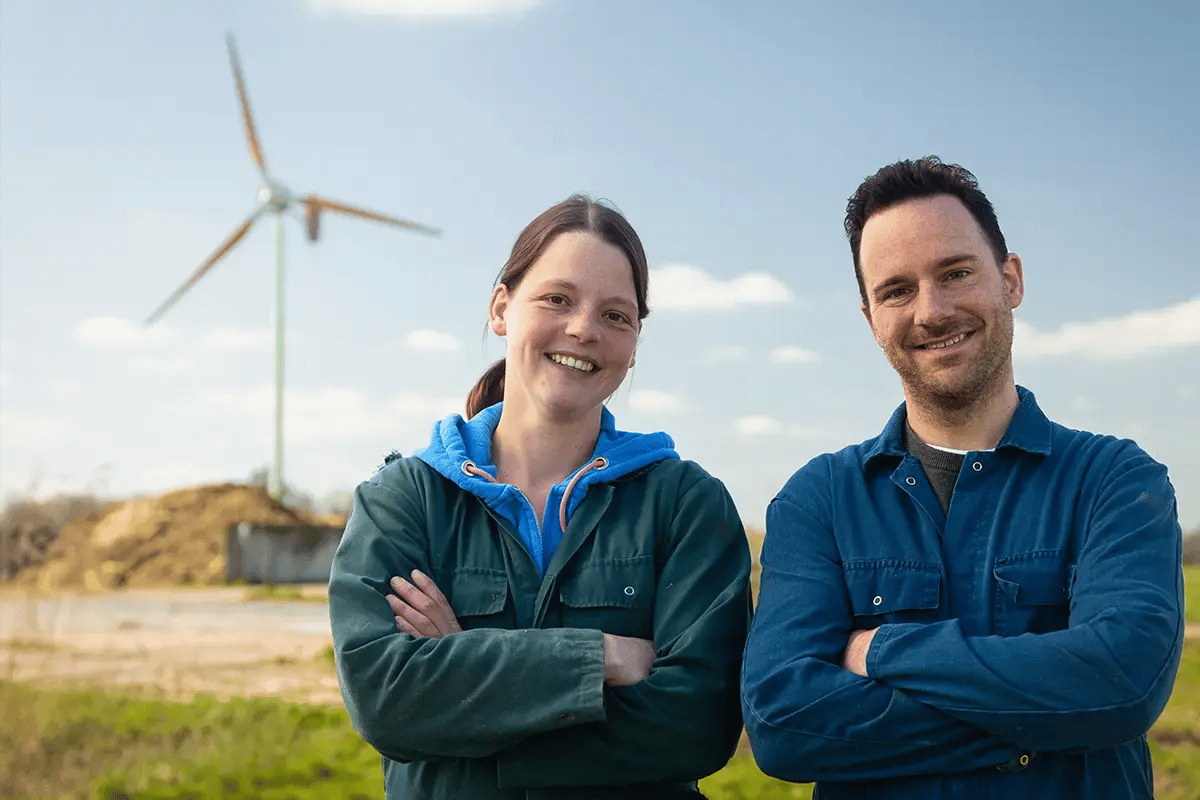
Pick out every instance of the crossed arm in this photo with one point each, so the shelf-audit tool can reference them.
(422, 610)
(825, 702)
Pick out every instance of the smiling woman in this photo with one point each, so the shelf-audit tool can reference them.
(538, 600)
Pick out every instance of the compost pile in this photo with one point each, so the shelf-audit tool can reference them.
(174, 539)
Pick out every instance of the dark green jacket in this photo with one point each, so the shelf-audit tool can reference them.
(515, 705)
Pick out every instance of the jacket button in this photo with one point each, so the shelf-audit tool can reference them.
(910, 480)
(629, 590)
(1024, 760)
(877, 601)
(977, 467)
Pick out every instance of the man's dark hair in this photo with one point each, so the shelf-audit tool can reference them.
(910, 180)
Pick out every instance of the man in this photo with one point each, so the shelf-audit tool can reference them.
(978, 602)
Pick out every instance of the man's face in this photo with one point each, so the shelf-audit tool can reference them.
(937, 302)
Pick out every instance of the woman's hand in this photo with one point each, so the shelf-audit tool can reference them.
(626, 660)
(420, 607)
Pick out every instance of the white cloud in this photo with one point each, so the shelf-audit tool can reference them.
(682, 287)
(426, 339)
(161, 365)
(117, 332)
(423, 407)
(757, 425)
(5, 379)
(423, 8)
(1136, 334)
(762, 425)
(237, 339)
(794, 355)
(654, 401)
(725, 354)
(21, 430)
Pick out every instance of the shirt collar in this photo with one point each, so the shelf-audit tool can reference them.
(1029, 430)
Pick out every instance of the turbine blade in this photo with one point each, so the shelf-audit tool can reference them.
(251, 134)
(215, 256)
(334, 205)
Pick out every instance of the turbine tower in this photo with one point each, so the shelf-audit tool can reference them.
(274, 198)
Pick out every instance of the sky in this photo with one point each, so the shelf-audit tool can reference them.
(729, 134)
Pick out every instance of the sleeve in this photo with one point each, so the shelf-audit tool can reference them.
(468, 694)
(682, 721)
(1101, 681)
(807, 718)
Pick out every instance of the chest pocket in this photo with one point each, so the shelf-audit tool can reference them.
(1032, 592)
(893, 590)
(611, 595)
(478, 597)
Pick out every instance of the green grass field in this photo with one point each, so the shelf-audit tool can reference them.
(87, 744)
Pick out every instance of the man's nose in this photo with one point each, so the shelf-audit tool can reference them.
(933, 306)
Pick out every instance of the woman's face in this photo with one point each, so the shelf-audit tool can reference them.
(572, 328)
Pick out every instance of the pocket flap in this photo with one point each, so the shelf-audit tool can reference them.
(477, 592)
(1038, 582)
(624, 583)
(881, 587)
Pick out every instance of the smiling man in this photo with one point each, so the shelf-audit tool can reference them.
(978, 602)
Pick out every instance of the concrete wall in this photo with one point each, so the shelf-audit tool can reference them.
(280, 553)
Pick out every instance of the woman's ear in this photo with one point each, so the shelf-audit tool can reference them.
(496, 308)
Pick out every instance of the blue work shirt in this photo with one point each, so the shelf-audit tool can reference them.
(1027, 638)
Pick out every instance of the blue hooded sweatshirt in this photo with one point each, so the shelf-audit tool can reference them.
(461, 450)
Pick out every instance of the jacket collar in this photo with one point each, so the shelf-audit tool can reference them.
(1029, 431)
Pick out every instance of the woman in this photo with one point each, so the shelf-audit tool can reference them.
(538, 605)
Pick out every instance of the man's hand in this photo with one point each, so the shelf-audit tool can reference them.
(420, 607)
(626, 660)
(854, 657)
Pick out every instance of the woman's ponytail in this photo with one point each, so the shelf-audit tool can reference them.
(488, 390)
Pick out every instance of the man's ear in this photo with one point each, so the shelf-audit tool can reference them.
(496, 308)
(1013, 274)
(866, 312)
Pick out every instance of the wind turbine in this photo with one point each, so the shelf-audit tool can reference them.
(274, 198)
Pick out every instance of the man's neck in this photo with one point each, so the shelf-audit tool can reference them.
(530, 451)
(977, 426)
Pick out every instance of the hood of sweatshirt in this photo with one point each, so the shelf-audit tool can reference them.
(461, 450)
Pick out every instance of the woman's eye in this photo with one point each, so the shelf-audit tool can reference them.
(556, 299)
(617, 316)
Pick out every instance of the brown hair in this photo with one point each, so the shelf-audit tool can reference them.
(910, 180)
(577, 213)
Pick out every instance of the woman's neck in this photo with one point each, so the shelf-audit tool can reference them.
(531, 452)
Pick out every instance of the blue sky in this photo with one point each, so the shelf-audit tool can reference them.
(730, 135)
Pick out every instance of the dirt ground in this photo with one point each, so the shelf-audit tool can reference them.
(171, 642)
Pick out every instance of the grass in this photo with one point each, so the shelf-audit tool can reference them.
(95, 745)
(90, 744)
(283, 592)
(1191, 592)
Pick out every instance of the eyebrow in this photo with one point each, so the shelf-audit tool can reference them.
(561, 284)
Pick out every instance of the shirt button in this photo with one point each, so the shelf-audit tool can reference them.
(629, 590)
(910, 480)
(977, 467)
(877, 601)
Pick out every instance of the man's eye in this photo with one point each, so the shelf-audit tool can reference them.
(556, 299)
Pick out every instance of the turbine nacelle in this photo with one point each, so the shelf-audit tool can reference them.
(275, 196)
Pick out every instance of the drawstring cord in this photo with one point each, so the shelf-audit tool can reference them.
(600, 462)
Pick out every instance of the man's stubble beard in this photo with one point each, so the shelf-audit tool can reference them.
(984, 377)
